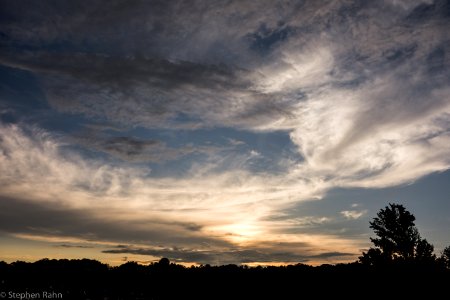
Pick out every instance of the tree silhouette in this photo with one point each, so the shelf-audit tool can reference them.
(445, 257)
(424, 252)
(398, 239)
(164, 262)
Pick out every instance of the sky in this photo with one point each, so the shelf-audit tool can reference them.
(217, 132)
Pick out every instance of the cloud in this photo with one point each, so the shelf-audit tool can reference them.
(127, 195)
(102, 204)
(139, 91)
(132, 149)
(57, 222)
(73, 246)
(308, 221)
(231, 256)
(362, 91)
(332, 254)
(235, 142)
(347, 98)
(353, 214)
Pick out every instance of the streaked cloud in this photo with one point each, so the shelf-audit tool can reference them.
(232, 256)
(309, 221)
(133, 149)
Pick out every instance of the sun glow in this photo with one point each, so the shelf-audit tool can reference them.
(239, 233)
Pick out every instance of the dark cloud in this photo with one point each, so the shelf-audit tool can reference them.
(74, 246)
(134, 149)
(50, 220)
(149, 92)
(177, 29)
(149, 86)
(97, 25)
(229, 256)
(126, 72)
(131, 148)
(197, 60)
(381, 37)
(332, 254)
(127, 146)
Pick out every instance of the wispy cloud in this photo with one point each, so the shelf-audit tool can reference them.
(356, 121)
(361, 90)
(353, 214)
(125, 206)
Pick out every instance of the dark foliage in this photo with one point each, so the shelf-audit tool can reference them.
(398, 242)
(445, 257)
(396, 231)
(90, 279)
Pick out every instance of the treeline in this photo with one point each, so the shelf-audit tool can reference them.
(91, 279)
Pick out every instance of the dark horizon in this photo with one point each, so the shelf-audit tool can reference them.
(89, 279)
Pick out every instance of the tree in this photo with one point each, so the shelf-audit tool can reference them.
(398, 238)
(424, 252)
(445, 257)
(164, 262)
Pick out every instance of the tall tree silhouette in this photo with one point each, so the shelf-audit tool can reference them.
(397, 238)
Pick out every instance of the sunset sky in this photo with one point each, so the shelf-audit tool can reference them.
(246, 132)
